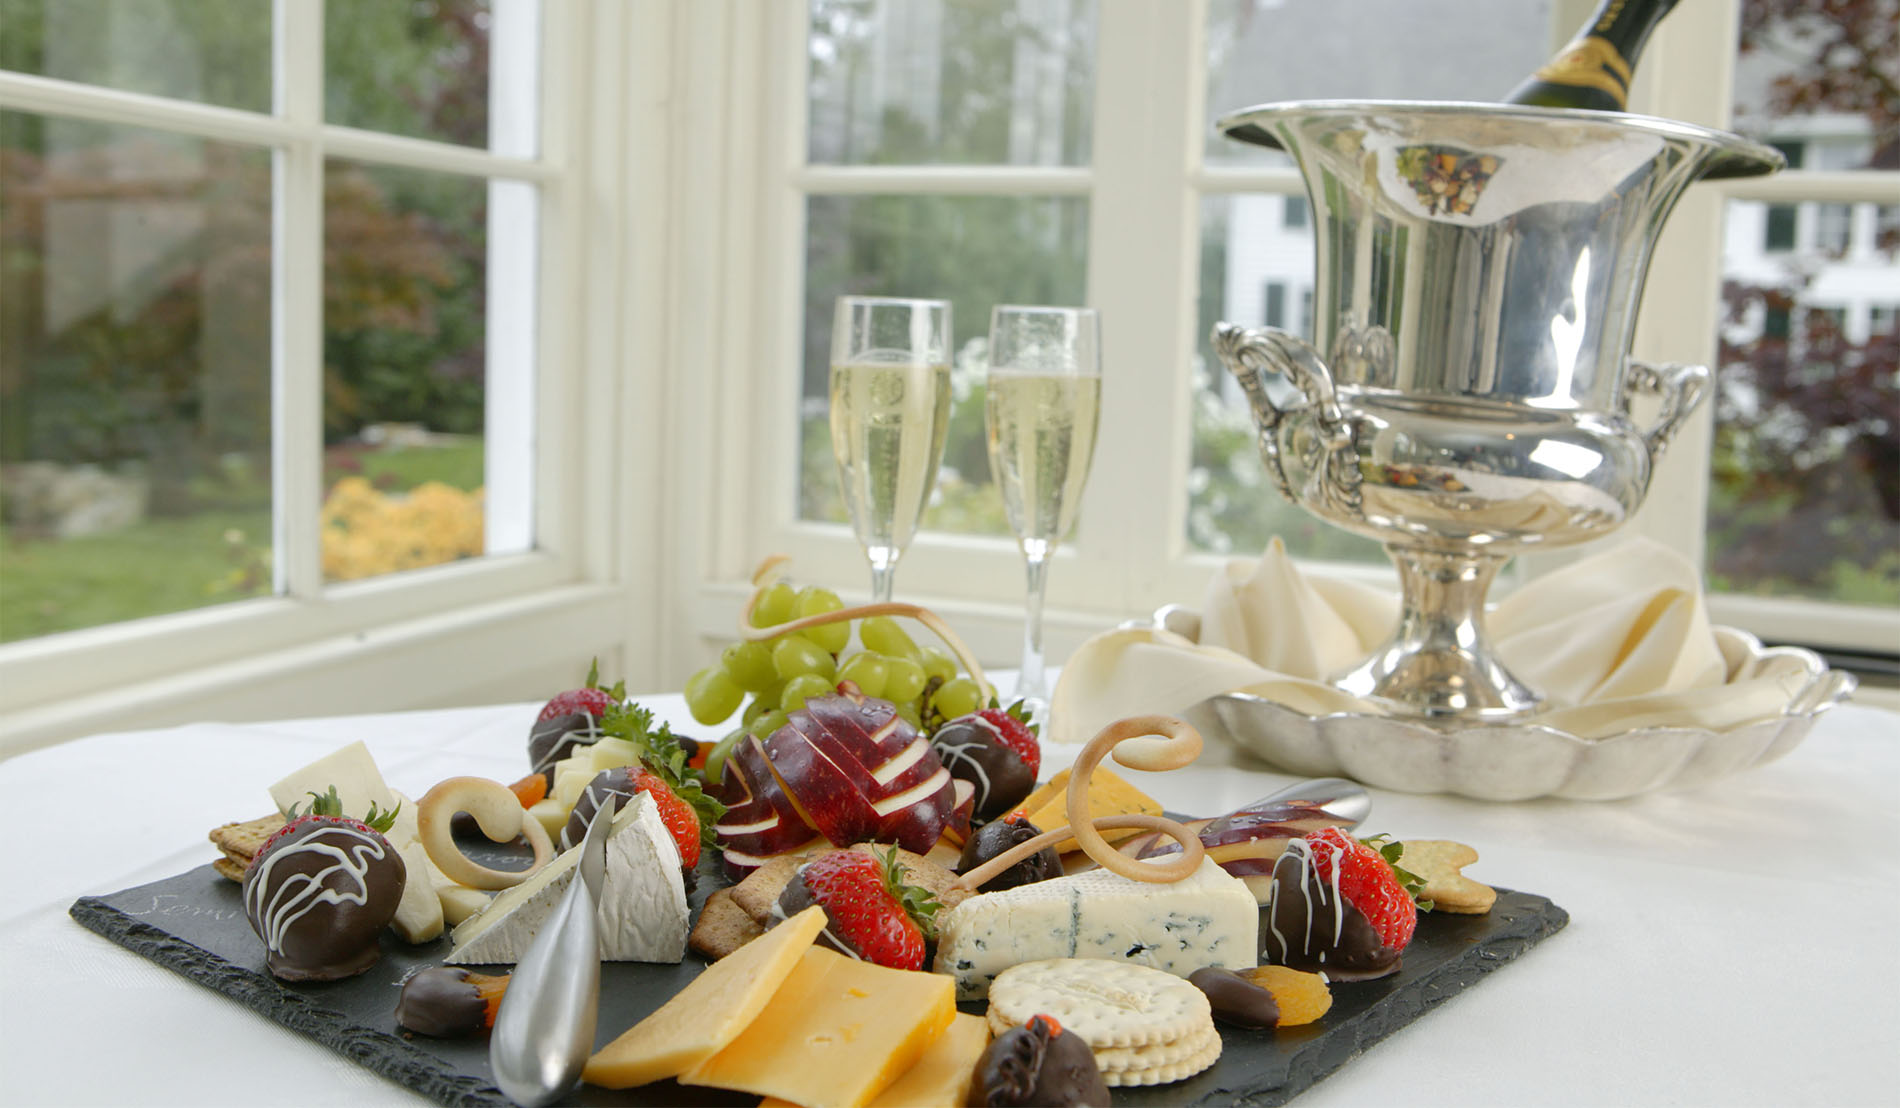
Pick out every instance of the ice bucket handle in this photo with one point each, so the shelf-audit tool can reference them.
(1248, 353)
(1681, 387)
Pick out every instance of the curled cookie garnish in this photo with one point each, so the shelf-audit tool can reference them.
(497, 811)
(1150, 743)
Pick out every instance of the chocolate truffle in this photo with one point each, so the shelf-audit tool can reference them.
(995, 838)
(319, 894)
(1234, 999)
(449, 1002)
(442, 1002)
(970, 749)
(1039, 1064)
(556, 737)
(1307, 929)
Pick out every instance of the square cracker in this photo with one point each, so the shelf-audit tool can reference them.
(723, 927)
(1437, 862)
(240, 842)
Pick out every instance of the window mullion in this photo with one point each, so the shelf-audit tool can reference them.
(1682, 79)
(1141, 239)
(297, 303)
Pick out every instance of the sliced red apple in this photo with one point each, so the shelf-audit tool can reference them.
(859, 773)
(962, 810)
(828, 786)
(760, 819)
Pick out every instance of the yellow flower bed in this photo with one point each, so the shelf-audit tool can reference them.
(366, 533)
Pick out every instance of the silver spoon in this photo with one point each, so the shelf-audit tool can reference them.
(1329, 796)
(545, 1028)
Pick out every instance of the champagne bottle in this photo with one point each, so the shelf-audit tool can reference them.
(1593, 70)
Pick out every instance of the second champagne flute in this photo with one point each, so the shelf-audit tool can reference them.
(1044, 402)
(890, 410)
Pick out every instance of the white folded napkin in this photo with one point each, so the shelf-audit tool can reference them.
(1615, 641)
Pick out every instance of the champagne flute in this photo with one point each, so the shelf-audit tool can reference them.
(1044, 402)
(890, 410)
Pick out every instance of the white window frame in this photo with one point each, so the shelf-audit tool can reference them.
(1144, 183)
(487, 629)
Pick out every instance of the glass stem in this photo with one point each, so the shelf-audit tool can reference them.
(883, 572)
(1033, 684)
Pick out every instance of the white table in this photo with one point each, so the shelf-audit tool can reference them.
(1734, 945)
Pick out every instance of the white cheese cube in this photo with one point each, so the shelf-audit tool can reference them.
(358, 783)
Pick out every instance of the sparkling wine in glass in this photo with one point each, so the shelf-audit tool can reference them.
(1043, 406)
(890, 410)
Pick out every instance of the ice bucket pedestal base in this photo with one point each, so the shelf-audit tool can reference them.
(1439, 665)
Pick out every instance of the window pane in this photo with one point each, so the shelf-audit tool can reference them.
(951, 82)
(975, 252)
(405, 346)
(1804, 497)
(211, 51)
(1260, 51)
(1256, 268)
(461, 71)
(135, 353)
(1814, 78)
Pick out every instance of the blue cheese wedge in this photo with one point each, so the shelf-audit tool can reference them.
(643, 914)
(1209, 919)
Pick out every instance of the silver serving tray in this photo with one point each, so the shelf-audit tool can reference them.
(1505, 761)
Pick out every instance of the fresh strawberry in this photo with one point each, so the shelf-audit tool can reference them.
(589, 698)
(1012, 726)
(882, 919)
(1368, 881)
(674, 812)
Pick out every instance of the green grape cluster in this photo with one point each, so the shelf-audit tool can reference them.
(779, 675)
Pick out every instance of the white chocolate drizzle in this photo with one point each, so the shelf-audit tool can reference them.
(301, 893)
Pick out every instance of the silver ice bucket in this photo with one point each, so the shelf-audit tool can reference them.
(1468, 395)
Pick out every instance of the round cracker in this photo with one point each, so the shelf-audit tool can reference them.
(1117, 1059)
(1109, 1004)
(1163, 1074)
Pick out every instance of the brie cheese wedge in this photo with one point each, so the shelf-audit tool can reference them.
(643, 913)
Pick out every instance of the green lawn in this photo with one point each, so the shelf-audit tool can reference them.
(158, 566)
(176, 563)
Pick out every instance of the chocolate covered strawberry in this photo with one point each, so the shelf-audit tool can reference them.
(872, 914)
(996, 751)
(614, 787)
(570, 719)
(1339, 905)
(321, 890)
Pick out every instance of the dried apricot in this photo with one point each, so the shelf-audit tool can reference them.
(1302, 997)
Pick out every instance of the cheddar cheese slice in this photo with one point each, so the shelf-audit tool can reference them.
(835, 1035)
(942, 1077)
(1109, 795)
(708, 1014)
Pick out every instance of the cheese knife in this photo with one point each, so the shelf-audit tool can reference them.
(544, 1030)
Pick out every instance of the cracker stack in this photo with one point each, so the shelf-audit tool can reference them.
(1144, 1026)
(240, 842)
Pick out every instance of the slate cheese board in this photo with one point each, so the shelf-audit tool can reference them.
(193, 923)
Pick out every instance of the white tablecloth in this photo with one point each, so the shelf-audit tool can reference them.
(1733, 945)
